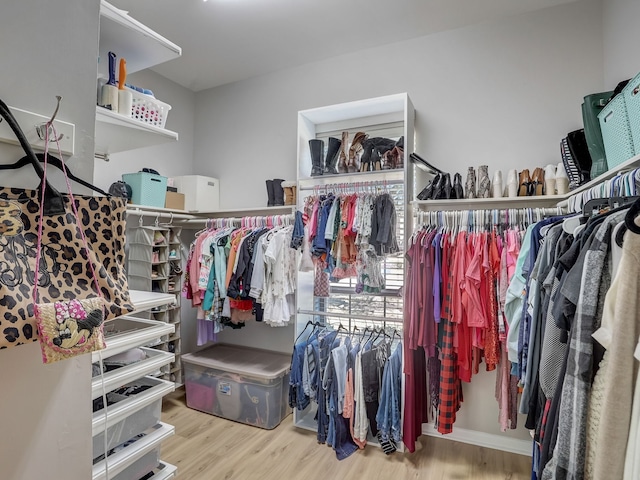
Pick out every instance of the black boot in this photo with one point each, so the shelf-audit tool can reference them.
(458, 190)
(278, 192)
(447, 188)
(317, 150)
(332, 156)
(270, 196)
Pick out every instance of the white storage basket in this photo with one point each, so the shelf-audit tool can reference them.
(149, 110)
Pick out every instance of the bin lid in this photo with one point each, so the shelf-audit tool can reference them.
(241, 360)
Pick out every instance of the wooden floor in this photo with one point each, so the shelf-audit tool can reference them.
(206, 447)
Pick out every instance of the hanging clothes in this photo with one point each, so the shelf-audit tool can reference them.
(236, 274)
(461, 311)
(350, 234)
(354, 381)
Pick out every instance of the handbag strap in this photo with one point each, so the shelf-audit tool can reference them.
(75, 213)
(54, 202)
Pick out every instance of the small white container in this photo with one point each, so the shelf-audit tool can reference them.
(201, 194)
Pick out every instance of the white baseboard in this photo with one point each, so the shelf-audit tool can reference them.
(482, 439)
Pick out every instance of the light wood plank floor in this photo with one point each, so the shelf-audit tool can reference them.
(206, 447)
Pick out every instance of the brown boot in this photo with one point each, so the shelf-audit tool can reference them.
(342, 156)
(354, 152)
(289, 193)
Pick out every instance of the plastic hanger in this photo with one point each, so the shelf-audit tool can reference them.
(56, 162)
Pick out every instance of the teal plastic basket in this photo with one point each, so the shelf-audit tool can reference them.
(616, 133)
(146, 188)
(632, 101)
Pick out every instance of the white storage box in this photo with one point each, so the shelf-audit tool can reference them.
(238, 383)
(201, 194)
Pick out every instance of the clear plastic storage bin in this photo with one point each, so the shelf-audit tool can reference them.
(145, 408)
(242, 384)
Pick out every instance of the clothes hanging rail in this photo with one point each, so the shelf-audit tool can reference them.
(372, 318)
(158, 214)
(472, 218)
(624, 184)
(248, 221)
(351, 187)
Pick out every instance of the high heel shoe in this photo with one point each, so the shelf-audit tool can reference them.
(524, 183)
(537, 182)
(438, 188)
(427, 191)
(458, 191)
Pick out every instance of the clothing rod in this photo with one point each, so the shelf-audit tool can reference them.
(203, 221)
(347, 316)
(150, 214)
(352, 185)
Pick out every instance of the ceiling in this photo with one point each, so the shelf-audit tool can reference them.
(224, 41)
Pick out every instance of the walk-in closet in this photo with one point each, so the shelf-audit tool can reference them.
(244, 239)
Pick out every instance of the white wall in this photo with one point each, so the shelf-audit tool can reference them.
(502, 93)
(49, 48)
(169, 159)
(620, 24)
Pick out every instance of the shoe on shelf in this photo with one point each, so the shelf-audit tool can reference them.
(537, 182)
(524, 184)
(316, 149)
(512, 183)
(484, 183)
(331, 161)
(343, 153)
(428, 190)
(290, 197)
(158, 238)
(470, 184)
(438, 183)
(562, 180)
(355, 151)
(458, 191)
(155, 256)
(447, 188)
(173, 255)
(497, 184)
(550, 180)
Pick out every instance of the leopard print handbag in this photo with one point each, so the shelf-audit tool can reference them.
(64, 274)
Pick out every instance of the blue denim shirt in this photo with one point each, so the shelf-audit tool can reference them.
(388, 417)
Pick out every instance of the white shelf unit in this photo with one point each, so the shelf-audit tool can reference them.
(117, 133)
(522, 202)
(389, 116)
(157, 267)
(123, 334)
(142, 48)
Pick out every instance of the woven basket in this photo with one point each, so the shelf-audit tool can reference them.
(616, 132)
(632, 101)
